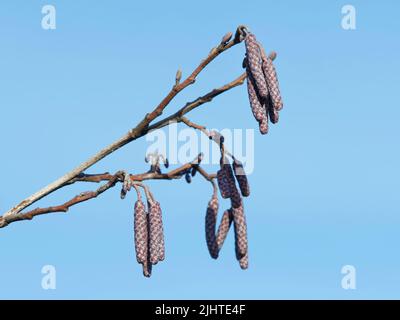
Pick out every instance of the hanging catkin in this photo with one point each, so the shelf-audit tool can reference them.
(241, 178)
(141, 232)
(156, 232)
(223, 228)
(272, 112)
(271, 78)
(254, 63)
(256, 105)
(211, 221)
(240, 228)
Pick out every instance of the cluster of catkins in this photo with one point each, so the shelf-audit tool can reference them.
(228, 177)
(262, 83)
(266, 102)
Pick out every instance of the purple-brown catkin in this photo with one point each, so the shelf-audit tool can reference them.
(240, 228)
(223, 184)
(230, 177)
(161, 247)
(256, 104)
(211, 221)
(236, 198)
(223, 228)
(241, 178)
(226, 179)
(272, 112)
(254, 62)
(155, 232)
(141, 232)
(272, 80)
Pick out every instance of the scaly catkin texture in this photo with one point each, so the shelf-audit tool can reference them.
(272, 112)
(244, 262)
(241, 178)
(256, 104)
(161, 247)
(254, 63)
(272, 80)
(223, 184)
(223, 228)
(240, 228)
(211, 221)
(156, 233)
(141, 232)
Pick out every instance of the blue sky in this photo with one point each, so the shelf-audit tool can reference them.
(326, 179)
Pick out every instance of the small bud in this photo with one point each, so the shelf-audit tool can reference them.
(178, 76)
(244, 63)
(194, 170)
(226, 38)
(272, 55)
(188, 178)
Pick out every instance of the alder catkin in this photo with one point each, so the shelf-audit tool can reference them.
(254, 63)
(241, 178)
(141, 232)
(271, 78)
(272, 112)
(236, 198)
(211, 221)
(223, 228)
(223, 184)
(240, 228)
(256, 104)
(156, 233)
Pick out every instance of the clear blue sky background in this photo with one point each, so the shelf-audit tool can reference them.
(325, 190)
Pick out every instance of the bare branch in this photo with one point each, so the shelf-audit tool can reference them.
(112, 180)
(139, 131)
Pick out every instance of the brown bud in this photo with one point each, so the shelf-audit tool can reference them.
(241, 178)
(178, 76)
(226, 38)
(141, 232)
(188, 178)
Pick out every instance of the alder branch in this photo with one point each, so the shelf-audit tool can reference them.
(141, 129)
(112, 180)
